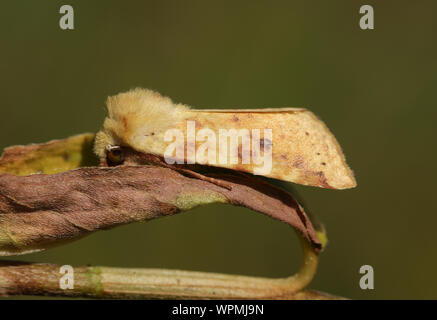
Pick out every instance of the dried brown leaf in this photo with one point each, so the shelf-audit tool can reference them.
(42, 210)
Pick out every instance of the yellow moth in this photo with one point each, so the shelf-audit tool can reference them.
(289, 144)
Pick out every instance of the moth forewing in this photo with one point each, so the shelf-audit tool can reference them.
(289, 144)
(301, 147)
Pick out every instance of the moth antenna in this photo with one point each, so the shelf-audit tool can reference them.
(205, 178)
(159, 161)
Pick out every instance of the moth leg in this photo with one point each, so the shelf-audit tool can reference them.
(205, 178)
(152, 159)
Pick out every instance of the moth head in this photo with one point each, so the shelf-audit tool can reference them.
(137, 119)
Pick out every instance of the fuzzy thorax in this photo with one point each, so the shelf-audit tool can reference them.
(136, 119)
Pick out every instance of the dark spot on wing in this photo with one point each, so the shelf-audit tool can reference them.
(322, 179)
(298, 162)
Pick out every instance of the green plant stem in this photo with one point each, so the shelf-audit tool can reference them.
(20, 278)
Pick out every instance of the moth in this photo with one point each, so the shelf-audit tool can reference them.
(290, 144)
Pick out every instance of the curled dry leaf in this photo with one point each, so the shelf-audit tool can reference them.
(51, 157)
(38, 211)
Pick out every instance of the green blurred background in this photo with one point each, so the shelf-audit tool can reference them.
(374, 89)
